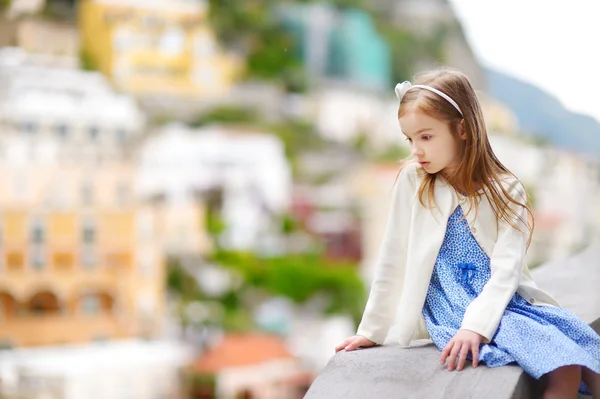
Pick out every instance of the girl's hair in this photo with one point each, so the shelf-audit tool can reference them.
(479, 167)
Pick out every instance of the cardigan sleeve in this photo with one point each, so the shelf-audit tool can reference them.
(390, 266)
(506, 262)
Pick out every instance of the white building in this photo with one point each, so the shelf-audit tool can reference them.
(112, 370)
(342, 114)
(566, 189)
(249, 168)
(67, 113)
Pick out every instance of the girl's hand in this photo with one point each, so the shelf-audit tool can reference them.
(463, 342)
(353, 342)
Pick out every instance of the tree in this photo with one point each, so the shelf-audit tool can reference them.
(252, 29)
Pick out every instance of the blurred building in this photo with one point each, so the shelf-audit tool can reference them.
(155, 47)
(499, 118)
(241, 173)
(340, 45)
(565, 188)
(18, 8)
(344, 114)
(372, 187)
(327, 212)
(257, 366)
(80, 256)
(129, 369)
(41, 36)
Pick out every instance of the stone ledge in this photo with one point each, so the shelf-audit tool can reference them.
(391, 371)
(394, 372)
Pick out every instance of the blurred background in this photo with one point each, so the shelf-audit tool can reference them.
(193, 192)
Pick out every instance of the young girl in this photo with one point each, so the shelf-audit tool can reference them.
(452, 263)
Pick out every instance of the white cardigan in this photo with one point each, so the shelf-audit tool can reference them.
(410, 246)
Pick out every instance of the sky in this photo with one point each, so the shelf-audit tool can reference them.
(552, 44)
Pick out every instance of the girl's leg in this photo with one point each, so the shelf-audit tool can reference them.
(563, 383)
(592, 380)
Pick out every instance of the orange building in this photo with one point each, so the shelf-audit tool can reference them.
(250, 366)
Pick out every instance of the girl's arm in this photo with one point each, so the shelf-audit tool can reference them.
(508, 256)
(386, 287)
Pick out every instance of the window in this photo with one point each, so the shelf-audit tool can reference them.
(38, 232)
(62, 131)
(38, 257)
(90, 305)
(88, 233)
(93, 133)
(63, 260)
(6, 344)
(172, 42)
(28, 128)
(14, 260)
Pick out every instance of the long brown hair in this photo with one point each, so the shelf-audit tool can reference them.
(479, 168)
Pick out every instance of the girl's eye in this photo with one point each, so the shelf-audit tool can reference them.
(426, 137)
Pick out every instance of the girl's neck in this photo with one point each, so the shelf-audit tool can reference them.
(458, 186)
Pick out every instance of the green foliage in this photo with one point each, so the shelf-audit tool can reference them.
(227, 114)
(238, 321)
(252, 28)
(214, 224)
(87, 61)
(180, 282)
(274, 53)
(341, 4)
(393, 153)
(60, 10)
(409, 49)
(288, 224)
(300, 277)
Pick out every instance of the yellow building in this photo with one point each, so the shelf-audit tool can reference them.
(75, 273)
(155, 46)
(80, 256)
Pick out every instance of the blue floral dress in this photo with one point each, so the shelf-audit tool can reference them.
(538, 338)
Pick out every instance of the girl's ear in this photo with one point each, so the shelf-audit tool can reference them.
(462, 132)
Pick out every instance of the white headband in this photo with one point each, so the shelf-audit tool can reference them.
(402, 88)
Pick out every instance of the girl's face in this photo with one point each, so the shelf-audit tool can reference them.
(432, 143)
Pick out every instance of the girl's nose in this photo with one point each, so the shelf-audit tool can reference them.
(416, 151)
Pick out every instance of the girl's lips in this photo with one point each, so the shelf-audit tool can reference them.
(424, 163)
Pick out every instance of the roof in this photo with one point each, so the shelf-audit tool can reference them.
(237, 350)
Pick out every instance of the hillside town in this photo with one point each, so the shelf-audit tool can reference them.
(178, 221)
